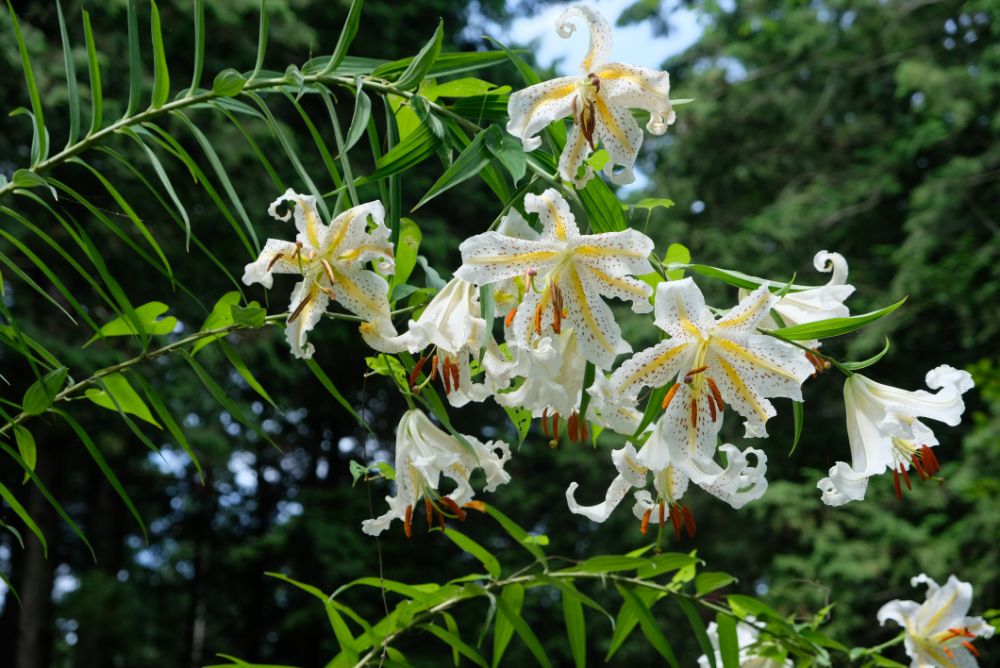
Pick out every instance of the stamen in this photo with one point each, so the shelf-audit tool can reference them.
(434, 367)
(969, 646)
(951, 655)
(475, 505)
(689, 376)
(408, 522)
(662, 510)
(915, 460)
(429, 509)
(555, 427)
(545, 422)
(930, 460)
(571, 427)
(454, 507)
(298, 309)
(416, 372)
(446, 375)
(694, 412)
(328, 270)
(328, 292)
(595, 81)
(644, 527)
(440, 517)
(689, 524)
(589, 123)
(670, 395)
(510, 317)
(277, 256)
(584, 436)
(715, 393)
(455, 376)
(676, 521)
(538, 319)
(895, 483)
(906, 476)
(711, 407)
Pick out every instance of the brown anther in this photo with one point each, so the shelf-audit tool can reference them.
(408, 522)
(328, 270)
(571, 427)
(675, 519)
(556, 318)
(538, 319)
(895, 484)
(434, 367)
(446, 375)
(711, 407)
(510, 317)
(951, 655)
(670, 395)
(906, 476)
(644, 527)
(930, 460)
(277, 256)
(716, 394)
(694, 412)
(301, 306)
(429, 510)
(689, 376)
(918, 466)
(588, 122)
(969, 646)
(454, 507)
(595, 82)
(440, 517)
(555, 427)
(416, 372)
(584, 435)
(689, 524)
(455, 376)
(663, 507)
(545, 422)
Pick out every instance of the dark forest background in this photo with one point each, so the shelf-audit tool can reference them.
(869, 128)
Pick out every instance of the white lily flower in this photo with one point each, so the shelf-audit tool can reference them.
(737, 484)
(331, 260)
(424, 453)
(553, 369)
(599, 100)
(610, 409)
(453, 326)
(885, 431)
(938, 632)
(819, 303)
(747, 638)
(712, 362)
(574, 271)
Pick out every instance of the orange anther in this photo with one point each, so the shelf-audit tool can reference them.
(434, 367)
(895, 483)
(969, 646)
(676, 521)
(446, 375)
(694, 412)
(416, 371)
(510, 317)
(689, 376)
(545, 422)
(662, 510)
(328, 270)
(711, 407)
(555, 427)
(454, 507)
(720, 404)
(584, 436)
(571, 427)
(454, 375)
(670, 395)
(538, 319)
(475, 505)
(277, 256)
(408, 522)
(645, 521)
(429, 510)
(689, 524)
(906, 476)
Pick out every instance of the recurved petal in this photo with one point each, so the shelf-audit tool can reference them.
(308, 306)
(573, 156)
(871, 450)
(616, 253)
(743, 318)
(945, 405)
(843, 485)
(620, 136)
(600, 337)
(636, 87)
(307, 221)
(653, 367)
(945, 606)
(490, 257)
(275, 258)
(514, 225)
(681, 310)
(600, 35)
(365, 294)
(898, 611)
(558, 222)
(739, 483)
(533, 108)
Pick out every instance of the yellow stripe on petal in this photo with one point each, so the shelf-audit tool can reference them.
(609, 121)
(533, 256)
(749, 314)
(553, 94)
(741, 388)
(600, 251)
(341, 231)
(309, 213)
(651, 366)
(586, 313)
(610, 72)
(357, 293)
(637, 289)
(557, 220)
(752, 359)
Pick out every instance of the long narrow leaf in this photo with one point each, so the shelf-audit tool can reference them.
(648, 625)
(94, 69)
(134, 60)
(25, 517)
(524, 632)
(199, 45)
(161, 73)
(576, 629)
(347, 35)
(40, 141)
(72, 91)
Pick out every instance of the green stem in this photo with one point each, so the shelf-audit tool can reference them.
(815, 351)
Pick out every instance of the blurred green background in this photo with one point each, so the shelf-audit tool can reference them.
(868, 128)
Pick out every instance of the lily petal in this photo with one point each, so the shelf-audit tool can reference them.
(620, 136)
(491, 257)
(574, 155)
(532, 109)
(653, 367)
(307, 219)
(275, 258)
(600, 35)
(681, 310)
(558, 222)
(636, 87)
(306, 316)
(843, 485)
(599, 335)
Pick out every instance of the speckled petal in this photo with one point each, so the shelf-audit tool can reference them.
(365, 294)
(600, 35)
(275, 258)
(620, 136)
(558, 222)
(310, 314)
(743, 318)
(491, 257)
(681, 310)
(636, 87)
(307, 221)
(599, 335)
(653, 367)
(616, 253)
(533, 108)
(573, 156)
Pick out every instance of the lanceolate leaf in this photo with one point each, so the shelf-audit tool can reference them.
(94, 69)
(524, 632)
(161, 75)
(576, 629)
(648, 625)
(422, 62)
(470, 546)
(824, 329)
(347, 34)
(729, 646)
(116, 394)
(40, 395)
(72, 91)
(470, 162)
(19, 510)
(40, 141)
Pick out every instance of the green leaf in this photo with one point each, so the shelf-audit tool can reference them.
(729, 646)
(94, 69)
(134, 60)
(676, 254)
(223, 399)
(824, 329)
(251, 316)
(149, 320)
(709, 581)
(362, 114)
(465, 87)
(799, 416)
(415, 148)
(456, 644)
(220, 316)
(698, 626)
(40, 140)
(407, 249)
(651, 203)
(739, 279)
(857, 366)
(604, 211)
(503, 628)
(228, 83)
(199, 45)
(528, 542)
(261, 39)
(358, 471)
(598, 160)
(161, 74)
(167, 184)
(25, 517)
(347, 35)
(42, 393)
(470, 162)
(422, 62)
(648, 625)
(26, 446)
(168, 420)
(490, 563)
(244, 371)
(117, 394)
(509, 152)
(335, 393)
(611, 563)
(521, 417)
(524, 632)
(576, 629)
(72, 91)
(666, 562)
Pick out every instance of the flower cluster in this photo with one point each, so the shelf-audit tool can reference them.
(558, 357)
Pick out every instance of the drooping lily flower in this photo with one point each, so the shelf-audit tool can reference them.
(737, 484)
(566, 275)
(453, 328)
(332, 260)
(424, 453)
(819, 303)
(885, 432)
(712, 362)
(747, 639)
(599, 100)
(938, 632)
